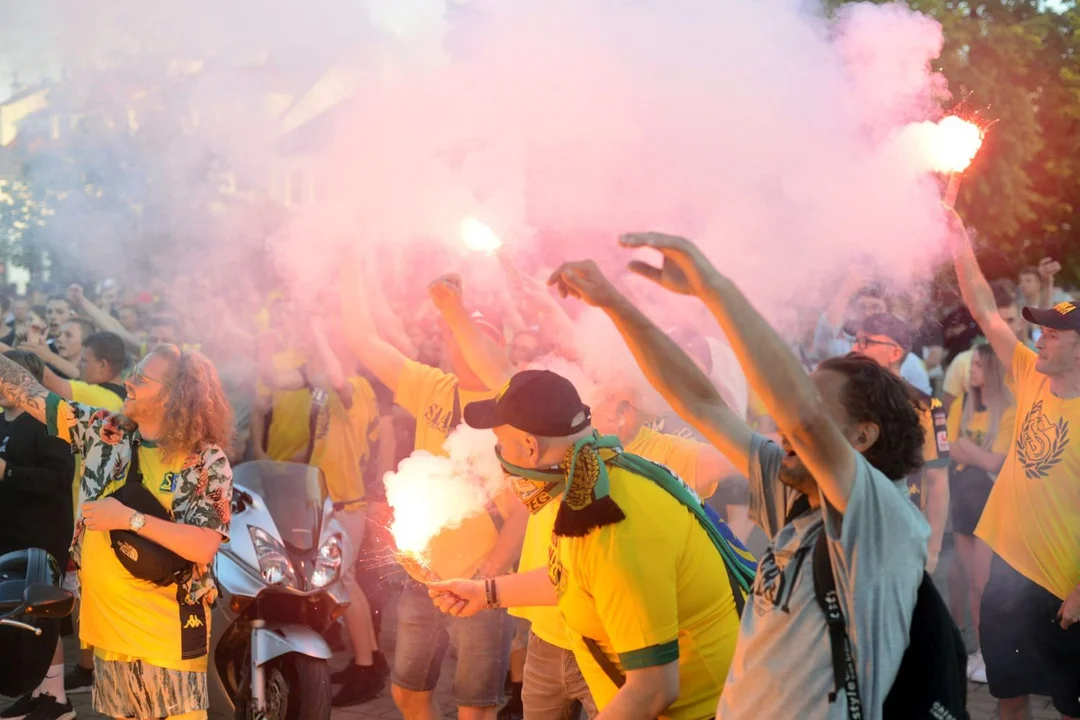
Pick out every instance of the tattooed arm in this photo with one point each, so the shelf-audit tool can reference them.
(21, 390)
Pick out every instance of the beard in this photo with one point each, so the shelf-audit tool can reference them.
(798, 478)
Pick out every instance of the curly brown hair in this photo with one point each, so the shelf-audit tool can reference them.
(873, 394)
(197, 413)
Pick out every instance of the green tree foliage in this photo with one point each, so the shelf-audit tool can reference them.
(1016, 63)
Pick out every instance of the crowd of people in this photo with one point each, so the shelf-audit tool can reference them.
(737, 523)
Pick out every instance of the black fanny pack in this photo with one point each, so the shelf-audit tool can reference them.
(143, 558)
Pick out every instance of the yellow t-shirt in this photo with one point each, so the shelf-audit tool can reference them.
(290, 413)
(427, 393)
(93, 396)
(1032, 519)
(124, 618)
(979, 426)
(343, 441)
(649, 590)
(677, 454)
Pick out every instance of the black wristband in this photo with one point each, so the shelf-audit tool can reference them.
(492, 593)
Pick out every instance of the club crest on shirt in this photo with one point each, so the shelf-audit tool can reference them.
(168, 483)
(776, 578)
(556, 572)
(1042, 442)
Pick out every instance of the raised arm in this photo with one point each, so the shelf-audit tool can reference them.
(101, 319)
(665, 365)
(380, 357)
(978, 296)
(50, 358)
(485, 357)
(772, 370)
(21, 390)
(56, 384)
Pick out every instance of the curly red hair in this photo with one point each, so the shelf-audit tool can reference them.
(197, 413)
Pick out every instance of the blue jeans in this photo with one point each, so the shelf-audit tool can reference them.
(482, 643)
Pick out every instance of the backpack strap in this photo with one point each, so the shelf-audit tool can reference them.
(845, 675)
(134, 474)
(798, 508)
(614, 674)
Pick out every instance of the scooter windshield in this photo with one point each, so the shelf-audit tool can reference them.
(294, 496)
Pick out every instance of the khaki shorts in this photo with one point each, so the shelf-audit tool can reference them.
(140, 690)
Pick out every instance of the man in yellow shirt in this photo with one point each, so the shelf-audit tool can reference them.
(1031, 606)
(484, 545)
(635, 567)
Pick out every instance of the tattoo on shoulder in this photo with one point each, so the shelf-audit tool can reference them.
(18, 385)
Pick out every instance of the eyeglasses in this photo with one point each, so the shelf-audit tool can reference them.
(137, 377)
(864, 342)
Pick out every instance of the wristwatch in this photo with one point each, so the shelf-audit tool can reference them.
(136, 523)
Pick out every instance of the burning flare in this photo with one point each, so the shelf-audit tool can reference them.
(479, 237)
(431, 493)
(947, 146)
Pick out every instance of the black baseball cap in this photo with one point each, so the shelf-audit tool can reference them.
(899, 331)
(1063, 316)
(538, 402)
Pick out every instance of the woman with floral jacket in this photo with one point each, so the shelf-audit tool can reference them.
(150, 642)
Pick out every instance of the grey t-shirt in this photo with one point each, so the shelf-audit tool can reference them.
(782, 665)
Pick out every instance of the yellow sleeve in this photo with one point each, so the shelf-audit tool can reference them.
(1021, 369)
(415, 386)
(1003, 441)
(632, 578)
(95, 396)
(956, 412)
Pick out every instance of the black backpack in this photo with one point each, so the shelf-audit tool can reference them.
(932, 680)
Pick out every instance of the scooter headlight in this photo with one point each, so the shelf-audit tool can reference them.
(274, 563)
(328, 562)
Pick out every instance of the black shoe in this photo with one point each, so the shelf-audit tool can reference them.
(361, 685)
(49, 709)
(378, 666)
(79, 680)
(20, 708)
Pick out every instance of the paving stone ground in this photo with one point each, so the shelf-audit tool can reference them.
(981, 705)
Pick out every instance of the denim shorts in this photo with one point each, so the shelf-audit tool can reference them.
(482, 643)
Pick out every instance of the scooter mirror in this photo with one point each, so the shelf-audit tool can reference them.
(48, 601)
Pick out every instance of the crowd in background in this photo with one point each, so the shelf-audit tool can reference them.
(355, 377)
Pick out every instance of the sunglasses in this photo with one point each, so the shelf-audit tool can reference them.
(137, 377)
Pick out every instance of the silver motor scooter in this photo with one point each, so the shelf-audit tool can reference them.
(280, 582)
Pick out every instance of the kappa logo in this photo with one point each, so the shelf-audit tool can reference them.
(1042, 442)
(192, 622)
(1064, 308)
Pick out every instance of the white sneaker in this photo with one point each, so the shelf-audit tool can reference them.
(976, 668)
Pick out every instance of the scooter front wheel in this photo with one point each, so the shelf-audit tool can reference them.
(297, 688)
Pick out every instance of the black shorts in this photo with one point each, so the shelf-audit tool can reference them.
(969, 490)
(1025, 649)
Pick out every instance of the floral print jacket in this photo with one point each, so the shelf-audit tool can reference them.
(202, 495)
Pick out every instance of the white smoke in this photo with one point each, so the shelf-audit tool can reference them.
(431, 493)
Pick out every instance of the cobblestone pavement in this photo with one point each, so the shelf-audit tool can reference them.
(980, 704)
